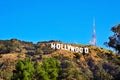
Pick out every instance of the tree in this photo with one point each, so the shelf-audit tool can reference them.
(48, 70)
(24, 70)
(51, 67)
(40, 73)
(114, 41)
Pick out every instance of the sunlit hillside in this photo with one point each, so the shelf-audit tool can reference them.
(98, 64)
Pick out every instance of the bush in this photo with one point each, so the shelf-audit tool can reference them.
(24, 70)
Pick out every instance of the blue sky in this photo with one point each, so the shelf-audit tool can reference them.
(66, 20)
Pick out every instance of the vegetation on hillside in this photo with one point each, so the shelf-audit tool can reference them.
(114, 40)
(20, 60)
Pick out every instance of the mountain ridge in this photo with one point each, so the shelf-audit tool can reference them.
(98, 64)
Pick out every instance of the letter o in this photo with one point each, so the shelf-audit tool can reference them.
(81, 50)
(58, 46)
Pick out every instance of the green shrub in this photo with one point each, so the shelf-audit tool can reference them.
(24, 70)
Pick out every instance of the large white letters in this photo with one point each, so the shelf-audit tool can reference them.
(69, 48)
(53, 46)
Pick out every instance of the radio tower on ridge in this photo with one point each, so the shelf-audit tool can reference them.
(93, 41)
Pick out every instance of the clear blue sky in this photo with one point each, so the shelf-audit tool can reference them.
(65, 20)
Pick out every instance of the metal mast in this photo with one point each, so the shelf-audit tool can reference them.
(93, 41)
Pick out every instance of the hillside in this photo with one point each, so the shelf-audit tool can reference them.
(98, 64)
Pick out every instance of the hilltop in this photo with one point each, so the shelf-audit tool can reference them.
(98, 64)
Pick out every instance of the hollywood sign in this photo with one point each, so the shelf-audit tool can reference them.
(69, 48)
